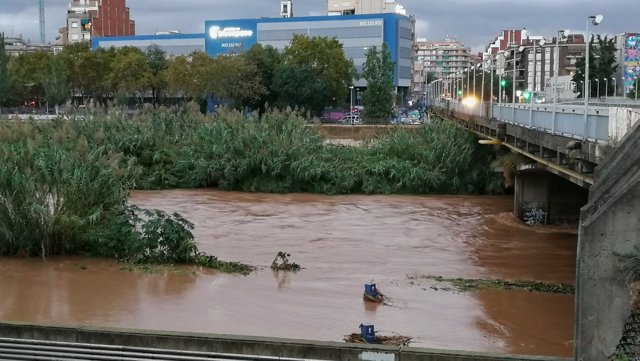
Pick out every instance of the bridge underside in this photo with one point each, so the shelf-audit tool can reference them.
(572, 159)
(554, 186)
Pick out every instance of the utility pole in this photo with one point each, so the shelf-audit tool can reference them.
(43, 37)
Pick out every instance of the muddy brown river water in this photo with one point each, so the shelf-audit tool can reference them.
(342, 242)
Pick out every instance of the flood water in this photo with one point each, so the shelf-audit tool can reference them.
(342, 242)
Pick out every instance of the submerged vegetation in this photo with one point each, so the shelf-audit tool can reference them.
(64, 185)
(464, 284)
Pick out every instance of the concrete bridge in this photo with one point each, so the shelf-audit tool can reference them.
(599, 152)
(564, 147)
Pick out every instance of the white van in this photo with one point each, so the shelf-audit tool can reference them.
(351, 119)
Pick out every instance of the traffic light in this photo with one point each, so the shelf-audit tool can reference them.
(459, 92)
(527, 97)
(503, 83)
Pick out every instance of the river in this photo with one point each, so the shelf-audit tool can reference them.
(342, 242)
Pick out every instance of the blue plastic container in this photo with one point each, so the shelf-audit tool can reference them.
(367, 332)
(370, 289)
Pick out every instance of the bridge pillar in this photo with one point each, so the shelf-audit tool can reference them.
(532, 192)
(558, 199)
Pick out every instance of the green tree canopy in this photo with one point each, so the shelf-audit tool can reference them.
(266, 59)
(602, 65)
(300, 86)
(157, 60)
(27, 69)
(179, 77)
(378, 72)
(322, 59)
(130, 75)
(234, 79)
(54, 79)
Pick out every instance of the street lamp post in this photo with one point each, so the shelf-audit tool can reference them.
(482, 91)
(513, 96)
(561, 34)
(474, 80)
(351, 104)
(606, 87)
(595, 20)
(491, 86)
(615, 87)
(598, 91)
(468, 80)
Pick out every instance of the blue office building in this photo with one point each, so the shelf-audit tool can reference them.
(356, 32)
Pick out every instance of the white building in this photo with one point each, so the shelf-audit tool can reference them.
(352, 7)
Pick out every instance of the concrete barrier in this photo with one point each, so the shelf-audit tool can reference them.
(246, 345)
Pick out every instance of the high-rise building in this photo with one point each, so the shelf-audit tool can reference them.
(96, 18)
(438, 59)
(356, 7)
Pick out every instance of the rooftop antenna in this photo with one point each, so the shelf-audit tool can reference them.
(43, 37)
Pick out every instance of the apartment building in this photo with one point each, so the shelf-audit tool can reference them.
(440, 59)
(87, 19)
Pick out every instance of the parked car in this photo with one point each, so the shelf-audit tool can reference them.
(351, 119)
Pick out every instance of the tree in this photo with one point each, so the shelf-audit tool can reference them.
(54, 80)
(27, 70)
(266, 59)
(157, 60)
(130, 73)
(234, 80)
(82, 67)
(179, 77)
(324, 59)
(6, 80)
(299, 86)
(378, 72)
(602, 64)
(201, 68)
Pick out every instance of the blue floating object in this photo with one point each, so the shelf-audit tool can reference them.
(367, 332)
(371, 290)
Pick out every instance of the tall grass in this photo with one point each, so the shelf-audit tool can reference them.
(64, 184)
(64, 193)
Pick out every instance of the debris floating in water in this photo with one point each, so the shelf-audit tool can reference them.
(379, 340)
(281, 263)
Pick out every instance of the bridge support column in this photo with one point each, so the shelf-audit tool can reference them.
(532, 194)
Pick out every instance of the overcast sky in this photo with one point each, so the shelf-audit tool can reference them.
(474, 22)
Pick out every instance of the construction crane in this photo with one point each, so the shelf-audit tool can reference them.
(43, 35)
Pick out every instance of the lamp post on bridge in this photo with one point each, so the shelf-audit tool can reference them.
(615, 87)
(595, 20)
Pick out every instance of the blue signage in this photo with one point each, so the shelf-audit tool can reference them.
(230, 36)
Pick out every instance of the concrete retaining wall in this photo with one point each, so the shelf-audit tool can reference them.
(609, 226)
(246, 345)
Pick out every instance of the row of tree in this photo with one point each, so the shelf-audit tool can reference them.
(311, 73)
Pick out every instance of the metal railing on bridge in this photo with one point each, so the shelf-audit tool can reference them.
(561, 119)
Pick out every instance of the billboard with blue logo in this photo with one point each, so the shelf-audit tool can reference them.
(230, 36)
